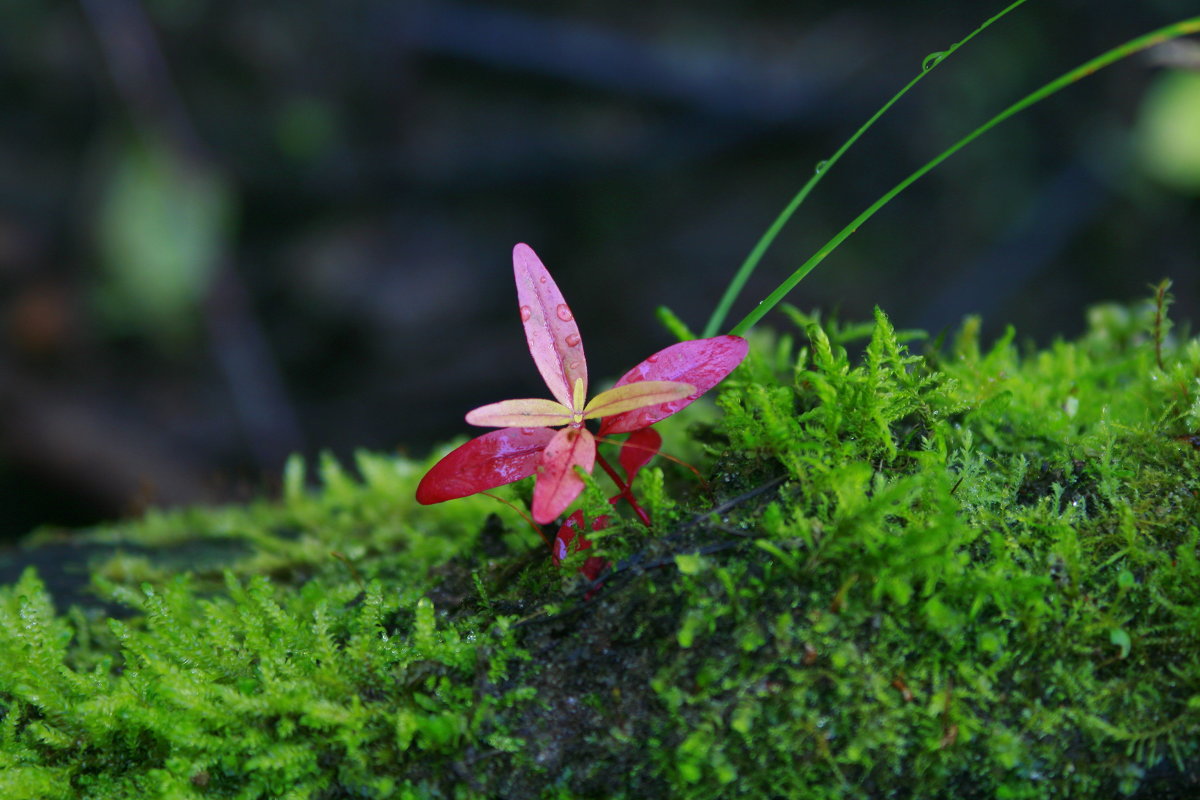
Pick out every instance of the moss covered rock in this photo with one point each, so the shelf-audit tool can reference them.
(969, 573)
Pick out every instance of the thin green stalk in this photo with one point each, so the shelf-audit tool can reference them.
(1182, 28)
(748, 266)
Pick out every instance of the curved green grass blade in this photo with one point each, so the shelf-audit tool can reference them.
(748, 266)
(1146, 41)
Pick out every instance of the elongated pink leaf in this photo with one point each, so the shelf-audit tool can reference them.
(700, 362)
(638, 449)
(485, 462)
(534, 412)
(550, 328)
(620, 399)
(557, 484)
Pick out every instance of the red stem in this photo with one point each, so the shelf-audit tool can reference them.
(624, 490)
(536, 528)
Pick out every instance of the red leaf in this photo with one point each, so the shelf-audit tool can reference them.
(641, 446)
(700, 362)
(557, 483)
(591, 570)
(566, 535)
(592, 567)
(485, 462)
(550, 328)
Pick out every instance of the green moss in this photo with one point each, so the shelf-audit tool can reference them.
(969, 573)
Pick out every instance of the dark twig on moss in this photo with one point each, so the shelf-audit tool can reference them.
(638, 563)
(733, 503)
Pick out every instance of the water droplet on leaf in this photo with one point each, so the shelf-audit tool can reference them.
(932, 60)
(821, 165)
(572, 340)
(526, 313)
(564, 313)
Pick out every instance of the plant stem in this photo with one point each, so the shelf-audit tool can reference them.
(768, 238)
(1143, 42)
(1161, 302)
(623, 489)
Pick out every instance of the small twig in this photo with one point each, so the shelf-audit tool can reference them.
(528, 519)
(636, 564)
(734, 502)
(142, 79)
(354, 573)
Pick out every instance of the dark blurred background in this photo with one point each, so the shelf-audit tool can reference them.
(230, 231)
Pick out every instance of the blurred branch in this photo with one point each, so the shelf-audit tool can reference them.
(589, 55)
(139, 73)
(239, 346)
(115, 461)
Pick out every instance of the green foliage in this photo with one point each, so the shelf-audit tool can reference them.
(1166, 142)
(983, 568)
(215, 685)
(163, 223)
(969, 573)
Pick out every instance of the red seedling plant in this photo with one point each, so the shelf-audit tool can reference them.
(547, 437)
(639, 448)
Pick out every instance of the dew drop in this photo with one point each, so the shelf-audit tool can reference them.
(541, 279)
(564, 313)
(572, 340)
(932, 60)
(573, 365)
(821, 165)
(526, 313)
(652, 359)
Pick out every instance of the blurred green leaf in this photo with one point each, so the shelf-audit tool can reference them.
(161, 225)
(1168, 132)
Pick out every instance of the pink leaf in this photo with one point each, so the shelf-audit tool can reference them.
(550, 327)
(700, 362)
(641, 446)
(557, 483)
(485, 462)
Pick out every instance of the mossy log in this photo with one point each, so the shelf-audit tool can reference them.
(915, 571)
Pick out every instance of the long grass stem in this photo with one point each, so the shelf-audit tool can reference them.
(751, 263)
(1144, 42)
